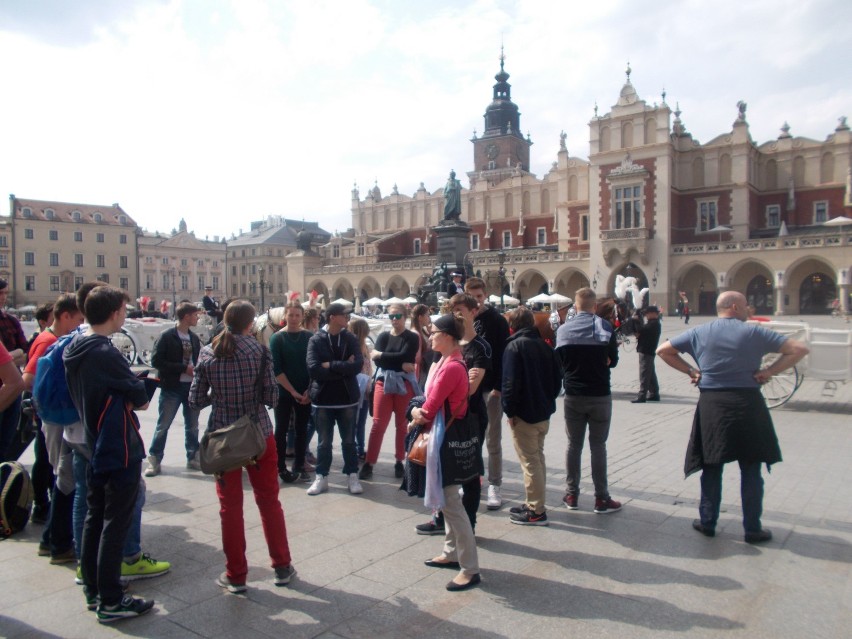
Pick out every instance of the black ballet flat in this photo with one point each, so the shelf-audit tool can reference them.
(442, 564)
(454, 587)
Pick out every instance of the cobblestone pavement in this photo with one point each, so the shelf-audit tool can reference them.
(641, 572)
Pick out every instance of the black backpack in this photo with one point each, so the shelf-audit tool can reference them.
(16, 498)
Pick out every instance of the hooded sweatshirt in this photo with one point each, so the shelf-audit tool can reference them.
(94, 371)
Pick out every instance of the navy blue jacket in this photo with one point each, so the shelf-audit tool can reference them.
(531, 377)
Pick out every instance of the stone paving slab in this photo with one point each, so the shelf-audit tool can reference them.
(641, 572)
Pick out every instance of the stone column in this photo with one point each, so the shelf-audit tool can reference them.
(779, 293)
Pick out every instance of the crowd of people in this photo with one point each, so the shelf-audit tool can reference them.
(447, 385)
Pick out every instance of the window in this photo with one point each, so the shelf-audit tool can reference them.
(98, 218)
(123, 220)
(53, 235)
(54, 283)
(416, 246)
(49, 214)
(100, 261)
(215, 282)
(233, 270)
(123, 283)
(78, 260)
(773, 216)
(242, 269)
(4, 260)
(200, 263)
(29, 258)
(78, 236)
(361, 249)
(183, 262)
(507, 239)
(335, 250)
(253, 252)
(76, 216)
(122, 261)
(184, 282)
(254, 269)
(820, 212)
(78, 281)
(99, 237)
(707, 216)
(149, 281)
(104, 277)
(628, 207)
(243, 288)
(233, 288)
(122, 239)
(3, 240)
(149, 259)
(29, 283)
(474, 241)
(215, 263)
(243, 253)
(200, 282)
(29, 234)
(27, 212)
(54, 259)
(280, 287)
(165, 261)
(166, 281)
(584, 228)
(541, 236)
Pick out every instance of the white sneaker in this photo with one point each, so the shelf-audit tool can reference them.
(153, 467)
(495, 499)
(320, 485)
(355, 486)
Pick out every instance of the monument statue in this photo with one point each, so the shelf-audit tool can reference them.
(303, 240)
(452, 198)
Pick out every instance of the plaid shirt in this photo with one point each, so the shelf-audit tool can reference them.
(229, 385)
(11, 333)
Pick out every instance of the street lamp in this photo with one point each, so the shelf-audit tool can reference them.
(174, 293)
(501, 256)
(262, 289)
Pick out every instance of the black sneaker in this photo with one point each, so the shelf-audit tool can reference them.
(287, 477)
(430, 528)
(528, 518)
(126, 608)
(758, 537)
(366, 471)
(398, 470)
(302, 477)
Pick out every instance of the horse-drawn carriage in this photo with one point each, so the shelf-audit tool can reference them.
(830, 361)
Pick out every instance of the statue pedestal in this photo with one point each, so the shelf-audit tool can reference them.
(453, 243)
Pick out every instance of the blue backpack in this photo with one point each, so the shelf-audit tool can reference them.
(50, 390)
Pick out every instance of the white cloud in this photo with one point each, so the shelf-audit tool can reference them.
(224, 111)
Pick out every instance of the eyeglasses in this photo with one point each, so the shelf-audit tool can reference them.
(395, 316)
(434, 333)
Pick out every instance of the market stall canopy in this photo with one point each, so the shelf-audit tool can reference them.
(373, 301)
(508, 300)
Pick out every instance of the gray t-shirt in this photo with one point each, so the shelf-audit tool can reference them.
(728, 351)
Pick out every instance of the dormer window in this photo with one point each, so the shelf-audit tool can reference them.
(27, 212)
(122, 219)
(76, 216)
(49, 214)
(98, 218)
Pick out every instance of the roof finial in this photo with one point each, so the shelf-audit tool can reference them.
(502, 55)
(664, 95)
(596, 108)
(628, 72)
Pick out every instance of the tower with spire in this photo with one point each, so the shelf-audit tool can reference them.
(502, 147)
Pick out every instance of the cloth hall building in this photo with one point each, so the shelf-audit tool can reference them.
(649, 202)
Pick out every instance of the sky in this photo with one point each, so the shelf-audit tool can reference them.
(222, 112)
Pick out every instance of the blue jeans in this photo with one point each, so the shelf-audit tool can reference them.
(751, 494)
(360, 426)
(325, 418)
(170, 401)
(133, 541)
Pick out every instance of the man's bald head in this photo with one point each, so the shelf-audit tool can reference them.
(732, 304)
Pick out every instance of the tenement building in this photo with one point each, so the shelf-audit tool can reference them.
(651, 202)
(51, 247)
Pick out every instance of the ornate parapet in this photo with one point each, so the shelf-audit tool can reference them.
(620, 242)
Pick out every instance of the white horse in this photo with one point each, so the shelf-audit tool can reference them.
(625, 284)
(266, 325)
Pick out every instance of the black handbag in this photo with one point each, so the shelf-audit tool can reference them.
(460, 449)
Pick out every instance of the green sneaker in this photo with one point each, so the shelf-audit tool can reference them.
(144, 568)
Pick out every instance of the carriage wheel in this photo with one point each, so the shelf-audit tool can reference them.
(125, 345)
(780, 387)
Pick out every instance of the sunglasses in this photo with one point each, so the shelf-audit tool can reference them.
(395, 316)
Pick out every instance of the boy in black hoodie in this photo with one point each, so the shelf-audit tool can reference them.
(100, 383)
